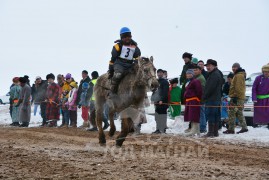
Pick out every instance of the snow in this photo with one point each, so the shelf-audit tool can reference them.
(256, 136)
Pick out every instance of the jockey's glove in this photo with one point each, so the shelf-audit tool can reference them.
(110, 71)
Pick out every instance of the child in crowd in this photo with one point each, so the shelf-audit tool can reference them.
(71, 103)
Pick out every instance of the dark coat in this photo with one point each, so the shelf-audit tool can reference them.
(213, 87)
(205, 73)
(183, 73)
(40, 92)
(87, 80)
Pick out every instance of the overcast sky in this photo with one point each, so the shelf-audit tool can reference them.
(38, 37)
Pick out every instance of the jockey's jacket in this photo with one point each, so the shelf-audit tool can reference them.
(126, 52)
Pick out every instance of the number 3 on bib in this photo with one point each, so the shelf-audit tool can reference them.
(127, 52)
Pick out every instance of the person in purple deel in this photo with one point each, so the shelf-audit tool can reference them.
(260, 97)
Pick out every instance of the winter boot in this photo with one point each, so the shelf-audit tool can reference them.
(189, 129)
(106, 126)
(228, 131)
(24, 124)
(216, 130)
(242, 131)
(195, 129)
(210, 132)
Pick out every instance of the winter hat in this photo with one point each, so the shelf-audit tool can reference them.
(194, 60)
(95, 75)
(74, 84)
(23, 80)
(60, 76)
(50, 76)
(265, 68)
(68, 76)
(187, 55)
(212, 62)
(85, 72)
(190, 71)
(159, 70)
(231, 75)
(37, 78)
(173, 81)
(85, 85)
(16, 79)
(237, 65)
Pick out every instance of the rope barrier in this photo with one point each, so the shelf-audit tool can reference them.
(200, 105)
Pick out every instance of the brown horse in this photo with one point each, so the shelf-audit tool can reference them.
(131, 94)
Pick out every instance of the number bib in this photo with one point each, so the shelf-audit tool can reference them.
(127, 52)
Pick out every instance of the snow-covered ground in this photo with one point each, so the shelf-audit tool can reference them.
(259, 136)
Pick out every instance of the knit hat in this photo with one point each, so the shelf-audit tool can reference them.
(265, 68)
(50, 76)
(68, 76)
(190, 71)
(187, 55)
(194, 60)
(16, 79)
(37, 78)
(59, 76)
(236, 65)
(74, 84)
(23, 80)
(85, 85)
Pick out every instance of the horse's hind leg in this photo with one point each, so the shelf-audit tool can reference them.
(112, 124)
(99, 121)
(125, 129)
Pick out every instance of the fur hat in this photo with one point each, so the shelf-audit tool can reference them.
(16, 79)
(23, 80)
(212, 62)
(265, 68)
(187, 55)
(74, 84)
(50, 76)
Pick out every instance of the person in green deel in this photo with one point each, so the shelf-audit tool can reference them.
(174, 99)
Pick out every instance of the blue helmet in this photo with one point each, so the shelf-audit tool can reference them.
(125, 30)
(85, 85)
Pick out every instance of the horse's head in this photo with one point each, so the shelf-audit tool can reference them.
(149, 71)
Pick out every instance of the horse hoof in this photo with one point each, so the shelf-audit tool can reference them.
(111, 133)
(102, 141)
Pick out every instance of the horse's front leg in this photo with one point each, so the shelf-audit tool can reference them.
(99, 116)
(125, 129)
(112, 124)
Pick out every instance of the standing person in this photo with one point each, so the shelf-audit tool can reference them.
(14, 98)
(160, 99)
(225, 103)
(199, 76)
(260, 97)
(192, 95)
(27, 80)
(24, 103)
(202, 65)
(84, 103)
(175, 99)
(60, 82)
(187, 57)
(94, 75)
(124, 53)
(212, 98)
(237, 95)
(72, 105)
(52, 95)
(40, 97)
(85, 79)
(65, 88)
(10, 101)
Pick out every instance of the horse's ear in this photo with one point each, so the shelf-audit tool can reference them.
(151, 59)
